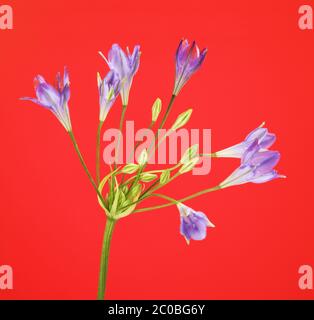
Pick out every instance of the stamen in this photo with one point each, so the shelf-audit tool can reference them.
(262, 125)
(104, 57)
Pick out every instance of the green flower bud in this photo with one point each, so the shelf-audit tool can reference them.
(135, 191)
(142, 159)
(189, 165)
(130, 168)
(165, 177)
(125, 189)
(182, 119)
(147, 177)
(122, 198)
(189, 154)
(156, 109)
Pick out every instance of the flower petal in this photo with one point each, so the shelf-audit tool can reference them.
(267, 141)
(266, 177)
(35, 101)
(257, 133)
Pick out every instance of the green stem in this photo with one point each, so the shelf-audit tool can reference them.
(177, 201)
(153, 187)
(133, 152)
(159, 195)
(104, 258)
(120, 133)
(162, 123)
(85, 167)
(167, 112)
(211, 155)
(98, 152)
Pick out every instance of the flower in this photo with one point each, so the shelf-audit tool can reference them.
(125, 65)
(188, 60)
(264, 138)
(55, 98)
(257, 166)
(109, 88)
(193, 223)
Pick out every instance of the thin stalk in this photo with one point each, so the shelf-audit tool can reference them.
(105, 258)
(98, 152)
(167, 112)
(152, 189)
(154, 186)
(85, 167)
(211, 155)
(162, 123)
(133, 152)
(120, 133)
(192, 196)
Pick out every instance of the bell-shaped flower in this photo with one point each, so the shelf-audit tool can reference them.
(193, 223)
(125, 65)
(54, 98)
(109, 89)
(257, 166)
(189, 59)
(261, 134)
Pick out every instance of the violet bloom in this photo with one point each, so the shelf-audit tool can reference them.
(193, 223)
(264, 138)
(109, 88)
(55, 98)
(125, 65)
(256, 166)
(188, 60)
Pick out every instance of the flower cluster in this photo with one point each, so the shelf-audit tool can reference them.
(129, 185)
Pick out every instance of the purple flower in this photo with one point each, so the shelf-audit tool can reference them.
(257, 166)
(193, 223)
(109, 88)
(264, 138)
(188, 60)
(55, 98)
(125, 65)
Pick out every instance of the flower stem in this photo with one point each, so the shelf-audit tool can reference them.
(173, 201)
(167, 112)
(124, 107)
(211, 155)
(98, 152)
(104, 258)
(162, 123)
(85, 167)
(133, 152)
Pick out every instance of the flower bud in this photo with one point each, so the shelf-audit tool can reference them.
(125, 189)
(156, 109)
(165, 177)
(189, 165)
(189, 154)
(142, 159)
(182, 119)
(147, 177)
(130, 168)
(135, 191)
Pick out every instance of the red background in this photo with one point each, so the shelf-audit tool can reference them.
(260, 66)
